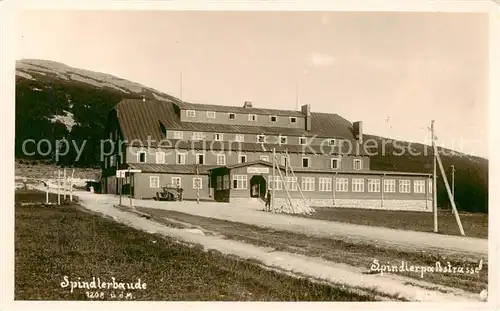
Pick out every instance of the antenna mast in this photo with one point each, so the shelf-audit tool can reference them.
(181, 88)
(297, 94)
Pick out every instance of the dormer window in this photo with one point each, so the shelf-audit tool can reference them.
(283, 140)
(197, 136)
(141, 157)
(335, 163)
(293, 120)
(218, 136)
(190, 113)
(239, 138)
(273, 118)
(178, 135)
(210, 114)
(252, 117)
(261, 138)
(302, 141)
(232, 116)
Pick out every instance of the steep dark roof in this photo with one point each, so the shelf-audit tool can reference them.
(167, 168)
(220, 108)
(142, 119)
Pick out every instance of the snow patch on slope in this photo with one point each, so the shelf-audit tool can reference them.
(67, 119)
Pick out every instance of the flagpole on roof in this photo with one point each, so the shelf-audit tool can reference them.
(181, 88)
(297, 94)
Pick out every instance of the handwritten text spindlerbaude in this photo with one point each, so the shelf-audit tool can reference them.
(97, 283)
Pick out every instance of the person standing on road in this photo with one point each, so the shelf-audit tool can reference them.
(268, 200)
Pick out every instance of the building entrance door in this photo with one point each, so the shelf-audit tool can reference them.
(258, 186)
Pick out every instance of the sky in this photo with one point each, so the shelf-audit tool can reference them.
(395, 71)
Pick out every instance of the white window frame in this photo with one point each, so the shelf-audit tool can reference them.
(178, 134)
(325, 184)
(231, 114)
(221, 137)
(264, 139)
(139, 156)
(308, 183)
(191, 113)
(173, 181)
(240, 156)
(276, 181)
(219, 157)
(358, 185)
(300, 140)
(200, 183)
(291, 183)
(183, 154)
(280, 138)
(197, 136)
(210, 114)
(419, 186)
(338, 160)
(241, 182)
(293, 118)
(360, 161)
(404, 186)
(271, 119)
(252, 117)
(154, 182)
(264, 158)
(389, 185)
(373, 185)
(429, 184)
(308, 162)
(342, 184)
(160, 157)
(197, 159)
(239, 137)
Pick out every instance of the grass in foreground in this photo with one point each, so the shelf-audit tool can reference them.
(353, 254)
(475, 224)
(54, 242)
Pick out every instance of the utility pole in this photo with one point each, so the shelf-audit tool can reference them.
(274, 178)
(71, 185)
(64, 184)
(434, 178)
(453, 181)
(198, 184)
(58, 187)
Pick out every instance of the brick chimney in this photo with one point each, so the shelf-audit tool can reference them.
(357, 128)
(306, 110)
(247, 104)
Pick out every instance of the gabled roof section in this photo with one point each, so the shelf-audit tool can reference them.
(142, 119)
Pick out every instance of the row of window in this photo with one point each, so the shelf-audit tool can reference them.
(154, 182)
(325, 184)
(180, 158)
(341, 184)
(232, 116)
(282, 140)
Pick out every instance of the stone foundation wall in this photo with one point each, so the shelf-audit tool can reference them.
(393, 205)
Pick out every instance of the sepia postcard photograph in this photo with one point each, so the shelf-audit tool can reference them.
(249, 153)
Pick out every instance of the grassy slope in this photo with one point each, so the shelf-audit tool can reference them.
(52, 242)
(353, 254)
(475, 225)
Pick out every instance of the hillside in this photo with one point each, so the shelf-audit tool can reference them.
(54, 101)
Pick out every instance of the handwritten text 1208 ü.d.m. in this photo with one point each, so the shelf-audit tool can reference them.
(101, 289)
